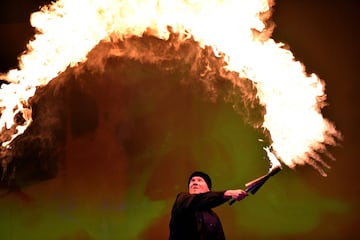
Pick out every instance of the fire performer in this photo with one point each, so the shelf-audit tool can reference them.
(192, 216)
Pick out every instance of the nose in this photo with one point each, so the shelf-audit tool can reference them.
(195, 183)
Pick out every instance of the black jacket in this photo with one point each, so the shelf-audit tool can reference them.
(193, 219)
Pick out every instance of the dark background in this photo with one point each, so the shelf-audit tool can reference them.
(324, 35)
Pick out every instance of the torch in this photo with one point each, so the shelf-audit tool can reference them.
(254, 185)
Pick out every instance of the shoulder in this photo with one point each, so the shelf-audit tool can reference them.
(183, 195)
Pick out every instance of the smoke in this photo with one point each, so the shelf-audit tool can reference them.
(76, 102)
(198, 67)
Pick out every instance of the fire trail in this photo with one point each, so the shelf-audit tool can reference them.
(290, 98)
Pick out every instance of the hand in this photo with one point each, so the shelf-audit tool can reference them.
(237, 194)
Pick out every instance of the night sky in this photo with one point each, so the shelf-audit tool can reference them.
(119, 152)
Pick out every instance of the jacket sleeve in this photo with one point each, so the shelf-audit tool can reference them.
(201, 201)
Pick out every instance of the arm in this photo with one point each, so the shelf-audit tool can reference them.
(200, 201)
(207, 200)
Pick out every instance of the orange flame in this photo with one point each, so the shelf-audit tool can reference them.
(68, 30)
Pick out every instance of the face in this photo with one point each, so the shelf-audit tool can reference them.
(197, 185)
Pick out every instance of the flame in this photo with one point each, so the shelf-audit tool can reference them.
(67, 30)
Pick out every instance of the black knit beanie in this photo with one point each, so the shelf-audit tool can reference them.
(203, 175)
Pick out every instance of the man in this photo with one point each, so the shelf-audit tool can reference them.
(192, 217)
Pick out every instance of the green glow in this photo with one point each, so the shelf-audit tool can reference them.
(85, 221)
(287, 206)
